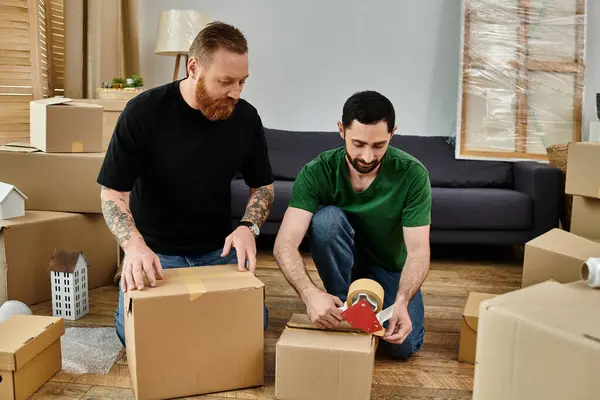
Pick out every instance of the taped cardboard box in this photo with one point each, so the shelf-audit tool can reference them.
(541, 342)
(61, 125)
(556, 255)
(317, 364)
(585, 219)
(30, 354)
(583, 166)
(53, 181)
(468, 327)
(27, 244)
(200, 330)
(111, 112)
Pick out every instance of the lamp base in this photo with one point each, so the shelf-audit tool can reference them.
(177, 61)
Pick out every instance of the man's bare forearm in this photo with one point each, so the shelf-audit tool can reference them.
(118, 217)
(413, 275)
(259, 205)
(292, 266)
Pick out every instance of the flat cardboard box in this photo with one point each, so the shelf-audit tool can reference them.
(468, 327)
(61, 125)
(556, 255)
(200, 330)
(30, 354)
(541, 342)
(585, 218)
(583, 166)
(53, 181)
(110, 116)
(27, 243)
(317, 364)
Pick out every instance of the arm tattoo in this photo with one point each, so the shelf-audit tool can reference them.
(119, 221)
(259, 205)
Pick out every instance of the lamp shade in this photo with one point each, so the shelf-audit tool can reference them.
(177, 30)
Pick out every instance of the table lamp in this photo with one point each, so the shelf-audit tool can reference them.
(176, 32)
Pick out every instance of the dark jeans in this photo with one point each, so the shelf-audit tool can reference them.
(332, 246)
(213, 258)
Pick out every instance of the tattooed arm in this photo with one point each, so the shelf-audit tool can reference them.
(139, 259)
(242, 239)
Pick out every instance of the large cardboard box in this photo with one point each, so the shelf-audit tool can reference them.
(556, 255)
(468, 327)
(541, 342)
(585, 218)
(30, 354)
(27, 243)
(53, 181)
(111, 112)
(583, 169)
(60, 125)
(200, 330)
(317, 364)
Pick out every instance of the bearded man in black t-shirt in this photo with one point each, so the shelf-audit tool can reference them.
(168, 169)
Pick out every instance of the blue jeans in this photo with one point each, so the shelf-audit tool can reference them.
(213, 258)
(333, 250)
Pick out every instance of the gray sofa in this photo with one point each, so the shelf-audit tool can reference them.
(474, 202)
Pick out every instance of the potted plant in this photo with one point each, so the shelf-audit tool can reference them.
(121, 88)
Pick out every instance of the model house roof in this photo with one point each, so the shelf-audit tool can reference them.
(65, 261)
(5, 190)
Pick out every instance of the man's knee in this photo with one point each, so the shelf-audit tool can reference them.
(404, 350)
(328, 222)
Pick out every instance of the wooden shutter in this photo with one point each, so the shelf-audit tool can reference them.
(31, 60)
(522, 73)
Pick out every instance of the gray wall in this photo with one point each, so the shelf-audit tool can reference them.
(307, 57)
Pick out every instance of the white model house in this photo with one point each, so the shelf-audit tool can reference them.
(12, 201)
(69, 280)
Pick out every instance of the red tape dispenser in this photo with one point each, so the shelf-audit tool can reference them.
(363, 308)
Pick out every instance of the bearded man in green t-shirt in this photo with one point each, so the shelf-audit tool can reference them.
(367, 209)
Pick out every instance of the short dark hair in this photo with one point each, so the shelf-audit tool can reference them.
(214, 36)
(368, 107)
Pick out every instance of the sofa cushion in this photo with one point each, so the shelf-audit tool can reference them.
(477, 208)
(289, 151)
(240, 193)
(446, 171)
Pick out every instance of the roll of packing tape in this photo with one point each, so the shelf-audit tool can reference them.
(366, 289)
(590, 272)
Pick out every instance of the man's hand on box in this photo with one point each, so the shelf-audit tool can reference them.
(244, 243)
(140, 261)
(322, 309)
(400, 324)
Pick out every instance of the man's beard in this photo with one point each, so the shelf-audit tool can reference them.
(362, 168)
(213, 109)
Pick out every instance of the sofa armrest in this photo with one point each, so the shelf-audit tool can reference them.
(546, 186)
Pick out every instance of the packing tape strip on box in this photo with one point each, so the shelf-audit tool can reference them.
(590, 272)
(196, 283)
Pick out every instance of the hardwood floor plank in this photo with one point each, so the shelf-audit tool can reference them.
(58, 390)
(109, 393)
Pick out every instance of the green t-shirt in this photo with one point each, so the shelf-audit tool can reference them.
(399, 196)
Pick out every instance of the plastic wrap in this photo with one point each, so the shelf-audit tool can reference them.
(521, 86)
(89, 350)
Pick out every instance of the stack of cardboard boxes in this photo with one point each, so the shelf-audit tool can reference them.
(543, 340)
(57, 174)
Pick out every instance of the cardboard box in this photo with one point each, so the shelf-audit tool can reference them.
(468, 327)
(53, 181)
(583, 166)
(541, 342)
(61, 125)
(556, 255)
(317, 364)
(30, 354)
(27, 244)
(200, 330)
(585, 218)
(111, 111)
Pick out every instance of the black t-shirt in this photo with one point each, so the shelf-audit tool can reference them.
(179, 165)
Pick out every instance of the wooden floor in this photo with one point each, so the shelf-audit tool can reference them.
(433, 373)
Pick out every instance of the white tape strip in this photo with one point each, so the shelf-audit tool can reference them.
(386, 314)
(590, 272)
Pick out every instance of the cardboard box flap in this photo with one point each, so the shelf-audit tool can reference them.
(197, 281)
(471, 313)
(558, 240)
(18, 147)
(571, 309)
(33, 217)
(25, 336)
(324, 339)
(301, 321)
(51, 101)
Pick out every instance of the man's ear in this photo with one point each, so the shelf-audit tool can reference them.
(194, 68)
(341, 129)
(394, 130)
